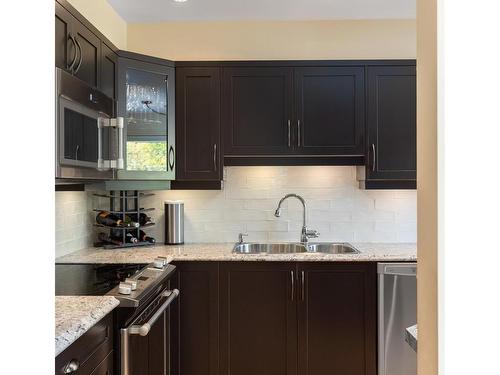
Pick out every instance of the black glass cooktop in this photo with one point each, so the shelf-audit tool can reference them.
(91, 279)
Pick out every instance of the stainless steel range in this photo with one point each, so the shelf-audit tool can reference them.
(142, 321)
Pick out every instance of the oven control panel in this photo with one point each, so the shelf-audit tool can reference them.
(130, 291)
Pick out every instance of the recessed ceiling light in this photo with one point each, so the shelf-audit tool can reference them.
(180, 1)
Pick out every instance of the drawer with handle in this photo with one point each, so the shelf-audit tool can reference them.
(91, 353)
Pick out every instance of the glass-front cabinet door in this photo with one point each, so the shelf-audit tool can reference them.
(146, 101)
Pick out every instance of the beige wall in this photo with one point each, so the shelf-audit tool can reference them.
(104, 17)
(427, 211)
(247, 40)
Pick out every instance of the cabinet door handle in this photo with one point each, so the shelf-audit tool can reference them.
(303, 292)
(215, 157)
(298, 133)
(292, 283)
(289, 139)
(373, 157)
(75, 70)
(69, 66)
(72, 367)
(171, 158)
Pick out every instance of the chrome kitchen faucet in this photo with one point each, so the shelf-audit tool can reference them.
(305, 233)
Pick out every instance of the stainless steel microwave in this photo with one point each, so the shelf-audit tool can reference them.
(89, 141)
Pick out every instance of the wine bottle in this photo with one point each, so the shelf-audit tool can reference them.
(130, 223)
(143, 219)
(129, 237)
(108, 219)
(103, 237)
(143, 237)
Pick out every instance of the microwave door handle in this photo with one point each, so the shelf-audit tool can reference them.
(102, 123)
(141, 330)
(100, 161)
(119, 126)
(76, 151)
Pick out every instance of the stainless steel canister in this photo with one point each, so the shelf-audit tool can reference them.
(174, 222)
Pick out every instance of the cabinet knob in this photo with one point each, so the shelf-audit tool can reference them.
(72, 366)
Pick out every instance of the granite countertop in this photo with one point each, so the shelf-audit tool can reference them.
(370, 252)
(411, 336)
(76, 315)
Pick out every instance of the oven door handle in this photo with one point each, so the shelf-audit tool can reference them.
(142, 330)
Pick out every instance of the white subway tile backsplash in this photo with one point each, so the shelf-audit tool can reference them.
(328, 215)
(72, 220)
(371, 215)
(268, 226)
(203, 215)
(244, 215)
(337, 208)
(263, 204)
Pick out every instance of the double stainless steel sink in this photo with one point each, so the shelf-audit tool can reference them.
(294, 248)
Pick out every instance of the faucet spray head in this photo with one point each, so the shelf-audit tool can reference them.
(277, 213)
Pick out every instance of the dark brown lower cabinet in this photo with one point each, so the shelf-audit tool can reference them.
(93, 351)
(258, 316)
(337, 318)
(105, 367)
(195, 319)
(275, 318)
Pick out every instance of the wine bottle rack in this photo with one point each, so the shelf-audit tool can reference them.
(121, 204)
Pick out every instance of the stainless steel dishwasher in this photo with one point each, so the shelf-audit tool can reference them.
(397, 310)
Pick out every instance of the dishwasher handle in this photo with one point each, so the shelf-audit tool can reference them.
(401, 269)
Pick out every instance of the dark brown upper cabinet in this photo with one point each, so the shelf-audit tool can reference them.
(391, 127)
(337, 328)
(293, 114)
(65, 49)
(83, 51)
(257, 110)
(88, 50)
(199, 152)
(77, 49)
(109, 71)
(329, 111)
(258, 315)
(195, 319)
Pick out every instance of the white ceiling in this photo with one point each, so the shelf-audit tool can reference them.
(227, 10)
